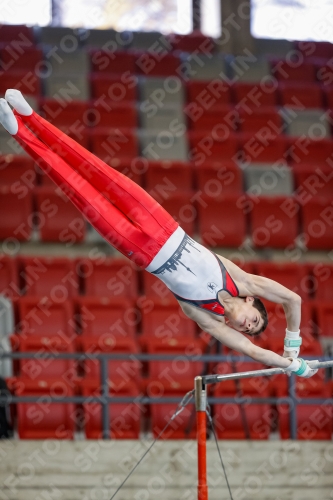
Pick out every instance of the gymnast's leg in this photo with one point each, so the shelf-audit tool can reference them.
(114, 225)
(127, 196)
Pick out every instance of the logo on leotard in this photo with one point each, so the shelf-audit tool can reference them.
(211, 286)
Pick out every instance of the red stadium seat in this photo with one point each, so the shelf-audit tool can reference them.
(9, 283)
(113, 115)
(44, 322)
(18, 172)
(125, 417)
(52, 276)
(300, 94)
(277, 323)
(324, 314)
(313, 180)
(154, 287)
(18, 33)
(15, 214)
(221, 118)
(315, 49)
(119, 370)
(313, 422)
(109, 144)
(262, 148)
(193, 42)
(28, 59)
(164, 177)
(157, 64)
(323, 71)
(72, 114)
(59, 220)
(317, 223)
(272, 225)
(207, 94)
(43, 419)
(328, 92)
(182, 427)
(260, 119)
(295, 277)
(322, 276)
(254, 95)
(108, 277)
(289, 70)
(113, 62)
(29, 84)
(164, 320)
(217, 178)
(113, 88)
(305, 150)
(229, 418)
(179, 206)
(46, 369)
(221, 221)
(106, 318)
(212, 147)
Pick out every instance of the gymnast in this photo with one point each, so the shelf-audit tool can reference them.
(211, 290)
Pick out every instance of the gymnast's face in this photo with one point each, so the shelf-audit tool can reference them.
(245, 317)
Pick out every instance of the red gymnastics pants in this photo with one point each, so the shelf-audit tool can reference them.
(120, 210)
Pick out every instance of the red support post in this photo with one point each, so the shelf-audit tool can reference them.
(200, 404)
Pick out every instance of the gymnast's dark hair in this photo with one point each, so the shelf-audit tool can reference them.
(257, 303)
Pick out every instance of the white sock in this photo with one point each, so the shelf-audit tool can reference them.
(16, 99)
(7, 118)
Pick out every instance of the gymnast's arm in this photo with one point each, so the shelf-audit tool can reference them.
(232, 338)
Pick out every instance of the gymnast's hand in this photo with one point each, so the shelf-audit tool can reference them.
(301, 368)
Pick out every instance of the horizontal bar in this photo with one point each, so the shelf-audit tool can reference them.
(45, 398)
(215, 379)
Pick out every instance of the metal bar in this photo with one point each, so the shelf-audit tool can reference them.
(214, 379)
(104, 399)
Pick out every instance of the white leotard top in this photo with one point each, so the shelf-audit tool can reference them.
(193, 273)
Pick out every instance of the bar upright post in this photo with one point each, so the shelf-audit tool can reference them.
(200, 406)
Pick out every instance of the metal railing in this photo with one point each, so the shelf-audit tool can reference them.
(105, 399)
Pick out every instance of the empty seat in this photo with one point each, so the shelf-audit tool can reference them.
(157, 64)
(259, 147)
(108, 277)
(36, 369)
(155, 93)
(15, 215)
(311, 123)
(269, 179)
(300, 94)
(322, 276)
(115, 62)
(165, 119)
(166, 177)
(72, 113)
(113, 88)
(43, 419)
(67, 87)
(116, 115)
(309, 150)
(19, 172)
(52, 276)
(30, 86)
(313, 180)
(328, 93)
(219, 119)
(295, 277)
(125, 417)
(324, 314)
(219, 177)
(317, 223)
(110, 143)
(212, 147)
(202, 67)
(104, 317)
(59, 220)
(18, 33)
(207, 93)
(26, 59)
(251, 71)
(315, 49)
(253, 95)
(313, 422)
(154, 287)
(164, 321)
(293, 70)
(120, 370)
(260, 120)
(195, 41)
(163, 145)
(222, 221)
(9, 283)
(178, 204)
(44, 322)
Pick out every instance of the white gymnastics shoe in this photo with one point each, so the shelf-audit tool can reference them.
(16, 99)
(7, 118)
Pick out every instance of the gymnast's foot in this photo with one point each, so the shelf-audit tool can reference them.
(7, 118)
(16, 99)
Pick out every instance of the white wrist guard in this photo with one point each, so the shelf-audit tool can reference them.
(292, 341)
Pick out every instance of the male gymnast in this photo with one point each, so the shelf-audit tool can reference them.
(211, 290)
